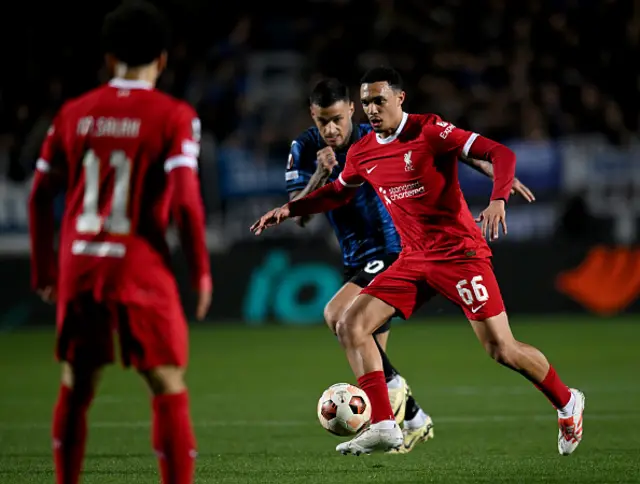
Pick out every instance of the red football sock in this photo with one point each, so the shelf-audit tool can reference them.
(69, 433)
(557, 392)
(173, 438)
(375, 386)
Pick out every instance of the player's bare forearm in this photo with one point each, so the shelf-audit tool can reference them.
(325, 199)
(42, 231)
(481, 166)
(301, 220)
(486, 168)
(318, 179)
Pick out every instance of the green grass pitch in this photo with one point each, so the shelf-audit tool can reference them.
(254, 394)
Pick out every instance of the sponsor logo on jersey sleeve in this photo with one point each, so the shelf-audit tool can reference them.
(291, 175)
(196, 130)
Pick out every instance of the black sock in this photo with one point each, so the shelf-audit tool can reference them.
(412, 408)
(389, 371)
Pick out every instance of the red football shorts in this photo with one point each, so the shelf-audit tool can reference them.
(411, 281)
(148, 336)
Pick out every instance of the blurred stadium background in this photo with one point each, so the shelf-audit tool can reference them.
(558, 81)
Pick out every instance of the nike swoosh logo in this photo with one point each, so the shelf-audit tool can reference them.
(475, 310)
(369, 170)
(410, 444)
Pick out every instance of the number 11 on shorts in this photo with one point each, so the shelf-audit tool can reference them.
(472, 292)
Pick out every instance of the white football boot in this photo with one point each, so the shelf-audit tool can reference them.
(570, 433)
(382, 436)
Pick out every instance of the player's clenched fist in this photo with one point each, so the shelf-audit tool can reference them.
(492, 217)
(327, 158)
(271, 218)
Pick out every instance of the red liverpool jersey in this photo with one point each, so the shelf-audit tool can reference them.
(415, 173)
(124, 154)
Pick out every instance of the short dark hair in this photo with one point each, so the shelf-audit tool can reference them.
(328, 92)
(135, 33)
(383, 74)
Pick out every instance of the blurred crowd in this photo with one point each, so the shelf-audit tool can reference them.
(528, 69)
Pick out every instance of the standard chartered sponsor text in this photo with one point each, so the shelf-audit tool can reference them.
(404, 191)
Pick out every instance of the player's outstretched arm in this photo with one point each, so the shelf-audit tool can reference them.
(486, 168)
(270, 219)
(188, 214)
(301, 221)
(325, 199)
(46, 187)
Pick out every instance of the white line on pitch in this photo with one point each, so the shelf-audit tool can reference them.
(460, 419)
(471, 390)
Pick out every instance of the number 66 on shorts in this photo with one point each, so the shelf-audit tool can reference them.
(477, 291)
(468, 283)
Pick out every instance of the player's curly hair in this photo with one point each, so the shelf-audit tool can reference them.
(328, 92)
(383, 74)
(135, 33)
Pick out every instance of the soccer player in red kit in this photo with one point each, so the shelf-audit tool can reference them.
(410, 160)
(125, 155)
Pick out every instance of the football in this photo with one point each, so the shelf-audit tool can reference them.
(344, 409)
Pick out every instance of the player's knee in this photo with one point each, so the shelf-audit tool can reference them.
(165, 380)
(332, 315)
(351, 332)
(82, 379)
(343, 331)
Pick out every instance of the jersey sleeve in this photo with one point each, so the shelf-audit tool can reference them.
(186, 201)
(47, 183)
(51, 152)
(444, 137)
(184, 140)
(300, 166)
(350, 176)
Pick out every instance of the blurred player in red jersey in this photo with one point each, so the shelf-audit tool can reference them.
(126, 157)
(410, 160)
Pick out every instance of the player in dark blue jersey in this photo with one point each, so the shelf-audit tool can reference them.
(364, 229)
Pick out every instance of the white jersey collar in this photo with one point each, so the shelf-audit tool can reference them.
(121, 83)
(389, 139)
